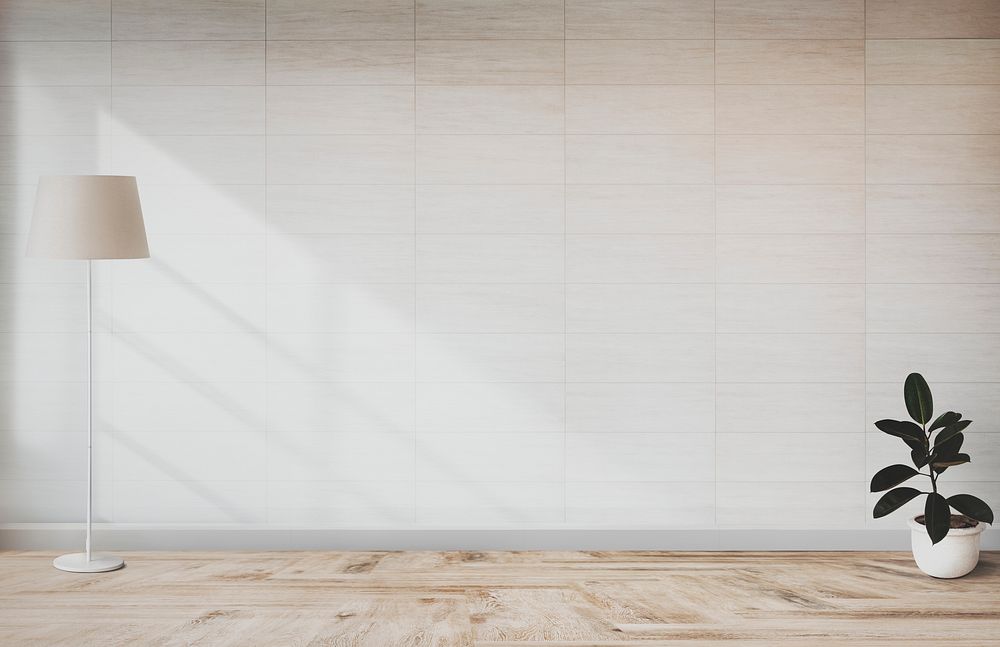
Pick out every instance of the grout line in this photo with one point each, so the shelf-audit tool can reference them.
(538, 333)
(565, 459)
(860, 382)
(864, 360)
(611, 431)
(555, 234)
(267, 448)
(485, 333)
(652, 135)
(607, 383)
(415, 296)
(557, 184)
(715, 266)
(112, 435)
(491, 283)
(542, 134)
(534, 481)
(481, 39)
(436, 84)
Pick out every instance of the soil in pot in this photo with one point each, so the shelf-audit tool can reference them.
(957, 521)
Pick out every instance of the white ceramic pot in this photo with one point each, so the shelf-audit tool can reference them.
(954, 556)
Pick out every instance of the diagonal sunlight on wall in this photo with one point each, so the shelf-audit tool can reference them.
(144, 376)
(154, 301)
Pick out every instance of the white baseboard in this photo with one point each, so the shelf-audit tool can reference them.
(53, 536)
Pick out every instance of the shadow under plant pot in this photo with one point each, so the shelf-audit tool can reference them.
(955, 555)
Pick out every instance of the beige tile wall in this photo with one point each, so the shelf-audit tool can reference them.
(571, 263)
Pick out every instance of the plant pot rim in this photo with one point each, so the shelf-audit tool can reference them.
(954, 532)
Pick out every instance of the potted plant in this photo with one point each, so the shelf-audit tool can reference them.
(944, 544)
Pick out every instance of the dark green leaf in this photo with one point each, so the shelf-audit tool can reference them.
(919, 457)
(949, 447)
(892, 476)
(911, 434)
(950, 461)
(919, 403)
(944, 452)
(970, 506)
(951, 430)
(893, 499)
(937, 517)
(945, 419)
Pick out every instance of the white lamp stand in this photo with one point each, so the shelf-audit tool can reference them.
(87, 561)
(88, 217)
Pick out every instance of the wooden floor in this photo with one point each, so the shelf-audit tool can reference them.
(493, 599)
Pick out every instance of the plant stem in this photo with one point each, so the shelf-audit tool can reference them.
(930, 468)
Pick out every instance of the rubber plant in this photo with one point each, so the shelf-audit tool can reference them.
(935, 445)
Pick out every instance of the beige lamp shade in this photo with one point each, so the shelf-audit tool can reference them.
(87, 217)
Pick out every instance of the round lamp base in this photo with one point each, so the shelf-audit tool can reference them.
(78, 563)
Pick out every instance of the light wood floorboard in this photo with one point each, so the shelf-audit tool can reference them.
(497, 599)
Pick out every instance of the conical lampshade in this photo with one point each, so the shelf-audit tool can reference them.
(87, 217)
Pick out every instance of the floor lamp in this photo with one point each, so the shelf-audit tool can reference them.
(88, 217)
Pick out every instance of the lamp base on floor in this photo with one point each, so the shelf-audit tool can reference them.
(78, 563)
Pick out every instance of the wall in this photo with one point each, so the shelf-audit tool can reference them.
(593, 264)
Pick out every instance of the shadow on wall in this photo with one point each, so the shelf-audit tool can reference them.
(42, 312)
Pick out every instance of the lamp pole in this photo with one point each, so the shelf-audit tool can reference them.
(90, 402)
